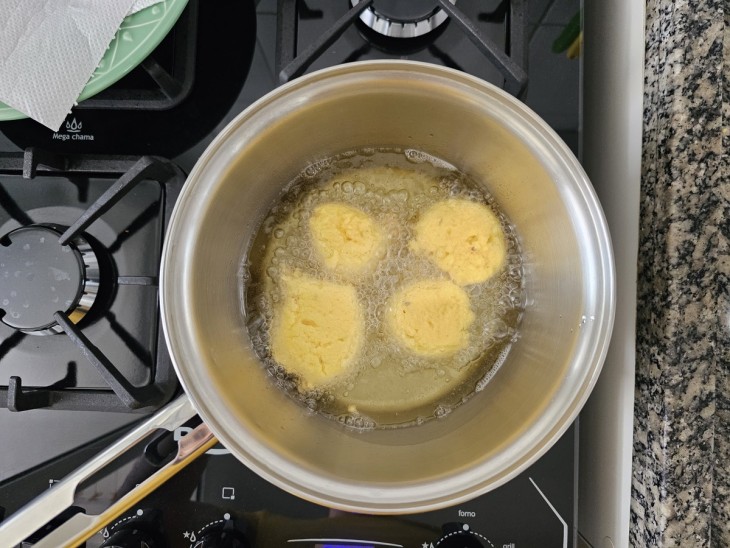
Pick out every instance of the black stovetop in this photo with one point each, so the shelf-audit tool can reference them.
(66, 404)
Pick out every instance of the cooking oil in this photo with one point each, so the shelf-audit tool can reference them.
(387, 385)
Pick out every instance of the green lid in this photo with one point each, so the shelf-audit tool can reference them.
(137, 36)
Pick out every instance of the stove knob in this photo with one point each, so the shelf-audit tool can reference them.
(228, 536)
(458, 535)
(132, 538)
(141, 530)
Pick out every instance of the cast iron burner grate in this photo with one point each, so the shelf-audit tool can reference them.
(510, 60)
(64, 247)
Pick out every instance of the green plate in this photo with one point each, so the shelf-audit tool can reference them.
(137, 36)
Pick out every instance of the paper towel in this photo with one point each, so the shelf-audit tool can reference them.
(50, 48)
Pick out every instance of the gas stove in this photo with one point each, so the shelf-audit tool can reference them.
(83, 213)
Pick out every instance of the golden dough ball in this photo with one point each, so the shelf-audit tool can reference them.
(347, 239)
(431, 317)
(462, 238)
(317, 329)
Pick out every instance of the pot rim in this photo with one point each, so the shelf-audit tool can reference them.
(379, 499)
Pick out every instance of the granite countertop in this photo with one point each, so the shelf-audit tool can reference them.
(681, 463)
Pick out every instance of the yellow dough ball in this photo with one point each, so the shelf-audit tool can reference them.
(347, 240)
(317, 329)
(431, 317)
(462, 238)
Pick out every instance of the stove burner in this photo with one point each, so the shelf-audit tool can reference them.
(39, 277)
(403, 18)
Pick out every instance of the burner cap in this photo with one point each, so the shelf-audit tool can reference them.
(403, 18)
(39, 277)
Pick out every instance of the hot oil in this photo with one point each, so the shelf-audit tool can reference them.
(387, 385)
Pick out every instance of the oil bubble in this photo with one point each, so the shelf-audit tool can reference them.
(441, 411)
(415, 156)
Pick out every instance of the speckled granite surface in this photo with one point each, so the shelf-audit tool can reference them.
(681, 474)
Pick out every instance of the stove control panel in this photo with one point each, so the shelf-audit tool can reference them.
(267, 530)
(217, 502)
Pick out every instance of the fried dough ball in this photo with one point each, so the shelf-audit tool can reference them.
(317, 329)
(431, 317)
(463, 238)
(348, 241)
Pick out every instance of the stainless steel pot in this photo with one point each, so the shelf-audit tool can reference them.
(569, 280)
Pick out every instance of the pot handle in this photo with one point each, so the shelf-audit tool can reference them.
(80, 527)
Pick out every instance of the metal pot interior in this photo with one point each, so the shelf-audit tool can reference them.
(550, 369)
